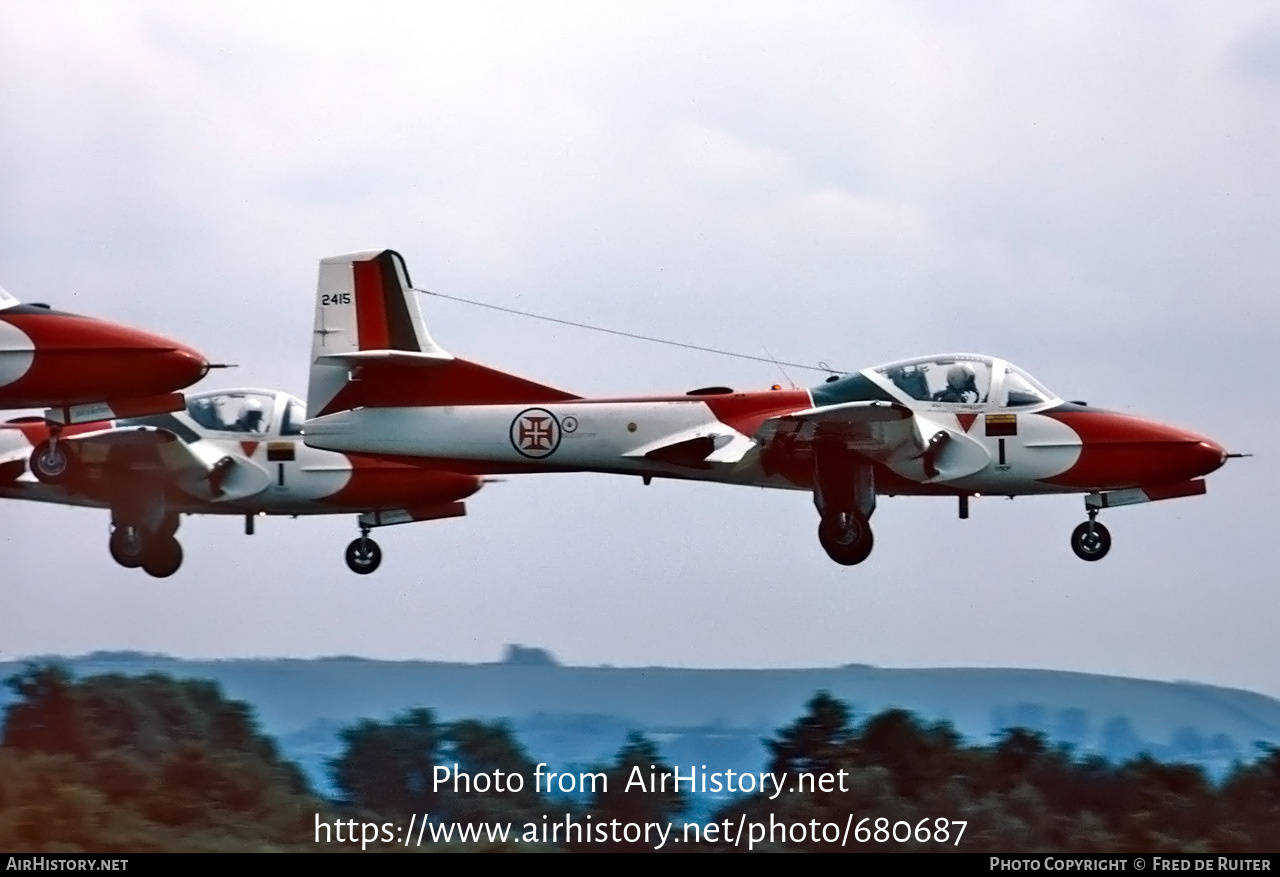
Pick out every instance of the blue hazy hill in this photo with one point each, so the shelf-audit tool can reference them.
(579, 716)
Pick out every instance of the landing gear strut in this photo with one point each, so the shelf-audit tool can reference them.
(1091, 540)
(127, 546)
(363, 554)
(845, 496)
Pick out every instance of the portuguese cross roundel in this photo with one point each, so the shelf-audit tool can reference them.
(535, 433)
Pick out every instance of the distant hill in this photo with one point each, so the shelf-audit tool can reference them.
(571, 716)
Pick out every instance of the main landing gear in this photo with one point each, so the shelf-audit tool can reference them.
(1091, 540)
(845, 495)
(158, 553)
(846, 537)
(143, 531)
(363, 554)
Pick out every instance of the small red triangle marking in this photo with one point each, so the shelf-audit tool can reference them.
(249, 448)
(966, 420)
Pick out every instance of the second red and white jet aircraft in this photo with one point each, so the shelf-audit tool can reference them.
(956, 425)
(83, 369)
(229, 452)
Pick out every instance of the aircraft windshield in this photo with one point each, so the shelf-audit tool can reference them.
(960, 379)
(1019, 388)
(964, 379)
(295, 414)
(238, 411)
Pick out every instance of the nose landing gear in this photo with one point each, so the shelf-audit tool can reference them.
(363, 554)
(49, 463)
(1091, 540)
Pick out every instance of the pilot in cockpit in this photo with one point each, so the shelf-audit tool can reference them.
(202, 411)
(962, 385)
(250, 417)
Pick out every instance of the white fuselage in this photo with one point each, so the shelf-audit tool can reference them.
(614, 436)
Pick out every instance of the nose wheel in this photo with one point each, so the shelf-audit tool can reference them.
(50, 463)
(363, 554)
(1091, 540)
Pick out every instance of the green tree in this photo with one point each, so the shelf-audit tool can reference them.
(116, 763)
(635, 791)
(490, 749)
(818, 742)
(388, 767)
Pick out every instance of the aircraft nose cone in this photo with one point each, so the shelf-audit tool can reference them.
(185, 365)
(1206, 456)
(1119, 451)
(1177, 455)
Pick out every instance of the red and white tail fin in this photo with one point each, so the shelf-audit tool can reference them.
(371, 347)
(364, 303)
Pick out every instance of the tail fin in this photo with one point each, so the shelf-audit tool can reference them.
(364, 302)
(371, 346)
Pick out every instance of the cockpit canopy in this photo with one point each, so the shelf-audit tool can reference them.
(967, 379)
(251, 412)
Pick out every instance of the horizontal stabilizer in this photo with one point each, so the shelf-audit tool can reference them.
(371, 348)
(400, 357)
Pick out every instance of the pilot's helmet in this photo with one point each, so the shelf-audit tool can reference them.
(961, 377)
(251, 414)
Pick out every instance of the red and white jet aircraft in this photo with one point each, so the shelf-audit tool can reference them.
(230, 452)
(83, 369)
(956, 425)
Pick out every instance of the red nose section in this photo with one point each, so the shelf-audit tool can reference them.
(79, 359)
(1118, 451)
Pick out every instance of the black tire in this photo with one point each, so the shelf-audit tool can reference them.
(50, 464)
(163, 557)
(127, 547)
(848, 545)
(1090, 546)
(363, 556)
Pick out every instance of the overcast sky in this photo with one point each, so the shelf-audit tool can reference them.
(1087, 189)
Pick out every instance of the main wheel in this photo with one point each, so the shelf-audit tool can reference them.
(50, 463)
(363, 556)
(848, 541)
(1090, 545)
(163, 557)
(127, 546)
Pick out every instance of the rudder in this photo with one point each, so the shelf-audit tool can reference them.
(371, 348)
(364, 302)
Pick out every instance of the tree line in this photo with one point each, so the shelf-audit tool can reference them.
(116, 764)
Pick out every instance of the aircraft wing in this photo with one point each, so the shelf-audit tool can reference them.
(165, 450)
(913, 445)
